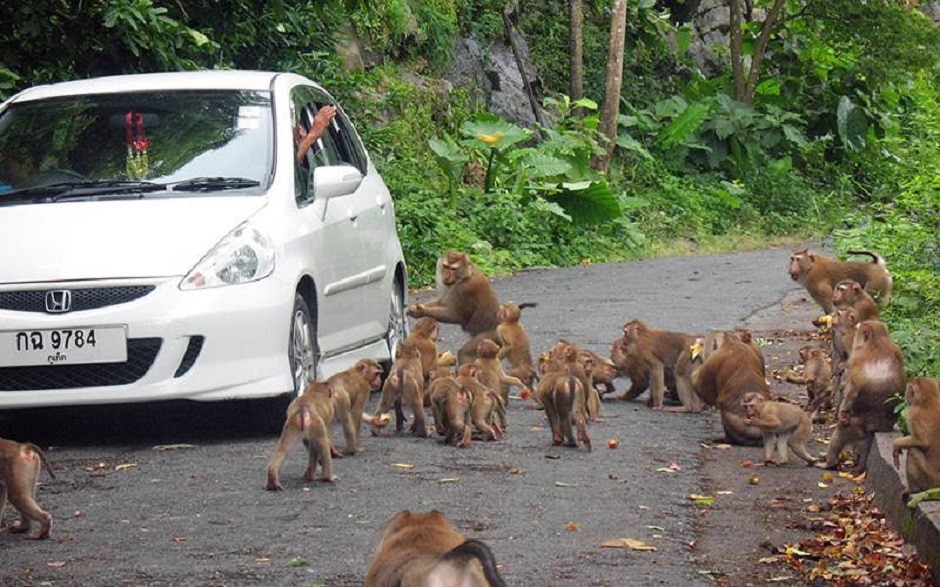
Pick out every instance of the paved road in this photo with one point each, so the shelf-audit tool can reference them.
(128, 514)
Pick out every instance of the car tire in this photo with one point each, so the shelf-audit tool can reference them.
(302, 351)
(397, 322)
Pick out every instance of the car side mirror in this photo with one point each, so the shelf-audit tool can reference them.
(334, 181)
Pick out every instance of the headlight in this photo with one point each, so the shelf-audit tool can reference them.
(243, 256)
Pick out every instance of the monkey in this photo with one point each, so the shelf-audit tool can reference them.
(490, 373)
(515, 343)
(725, 370)
(563, 356)
(782, 425)
(403, 387)
(819, 275)
(423, 336)
(308, 418)
(451, 406)
(657, 350)
(355, 383)
(561, 393)
(465, 297)
(20, 463)
(748, 338)
(422, 549)
(849, 294)
(875, 372)
(630, 365)
(484, 405)
(923, 443)
(603, 369)
(817, 377)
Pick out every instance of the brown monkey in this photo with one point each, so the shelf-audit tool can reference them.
(451, 405)
(783, 425)
(875, 372)
(355, 383)
(465, 297)
(725, 370)
(563, 356)
(423, 550)
(630, 365)
(656, 350)
(561, 393)
(490, 373)
(308, 418)
(849, 294)
(748, 338)
(515, 343)
(485, 403)
(817, 377)
(404, 387)
(603, 369)
(19, 474)
(819, 275)
(923, 442)
(423, 336)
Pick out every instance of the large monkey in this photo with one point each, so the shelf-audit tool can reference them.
(404, 387)
(356, 383)
(424, 550)
(923, 442)
(820, 274)
(726, 369)
(19, 473)
(875, 373)
(657, 350)
(783, 425)
(308, 418)
(515, 343)
(465, 297)
(850, 294)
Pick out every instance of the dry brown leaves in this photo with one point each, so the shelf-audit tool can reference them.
(853, 545)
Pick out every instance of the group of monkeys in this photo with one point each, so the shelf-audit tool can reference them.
(467, 396)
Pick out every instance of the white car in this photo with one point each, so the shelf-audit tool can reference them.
(165, 239)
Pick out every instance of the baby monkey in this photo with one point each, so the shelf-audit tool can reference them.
(783, 425)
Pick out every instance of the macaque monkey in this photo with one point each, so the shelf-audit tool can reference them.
(490, 373)
(602, 372)
(451, 406)
(356, 384)
(725, 370)
(515, 343)
(423, 336)
(875, 372)
(561, 393)
(563, 356)
(404, 387)
(465, 297)
(308, 418)
(484, 410)
(424, 550)
(850, 294)
(820, 274)
(630, 365)
(817, 377)
(657, 350)
(923, 442)
(783, 425)
(19, 473)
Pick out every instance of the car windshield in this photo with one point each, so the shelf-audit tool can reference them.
(219, 138)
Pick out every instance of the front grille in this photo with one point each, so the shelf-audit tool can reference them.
(82, 299)
(189, 358)
(141, 352)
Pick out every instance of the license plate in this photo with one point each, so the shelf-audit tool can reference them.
(63, 346)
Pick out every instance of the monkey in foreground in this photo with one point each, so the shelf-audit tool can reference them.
(308, 418)
(923, 443)
(783, 425)
(19, 473)
(422, 549)
(820, 274)
(465, 297)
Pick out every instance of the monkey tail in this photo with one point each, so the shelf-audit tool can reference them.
(471, 549)
(42, 457)
(525, 305)
(875, 257)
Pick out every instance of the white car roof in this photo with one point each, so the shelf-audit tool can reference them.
(180, 80)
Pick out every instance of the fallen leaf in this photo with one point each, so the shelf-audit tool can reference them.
(178, 539)
(572, 527)
(449, 480)
(753, 480)
(657, 528)
(125, 466)
(630, 543)
(563, 484)
(403, 465)
(57, 564)
(263, 560)
(702, 499)
(724, 493)
(297, 562)
(722, 446)
(179, 446)
(822, 485)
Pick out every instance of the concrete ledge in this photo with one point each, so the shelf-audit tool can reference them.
(920, 526)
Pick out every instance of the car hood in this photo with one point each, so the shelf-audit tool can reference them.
(154, 237)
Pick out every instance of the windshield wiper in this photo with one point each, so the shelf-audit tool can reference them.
(56, 192)
(208, 184)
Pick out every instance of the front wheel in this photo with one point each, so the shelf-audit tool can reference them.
(302, 346)
(397, 323)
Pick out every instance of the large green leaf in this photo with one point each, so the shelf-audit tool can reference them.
(852, 124)
(492, 132)
(587, 202)
(684, 126)
(450, 158)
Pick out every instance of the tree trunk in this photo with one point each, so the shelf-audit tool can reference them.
(576, 49)
(745, 85)
(612, 83)
(737, 52)
(760, 47)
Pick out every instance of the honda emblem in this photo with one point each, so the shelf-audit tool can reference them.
(58, 301)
